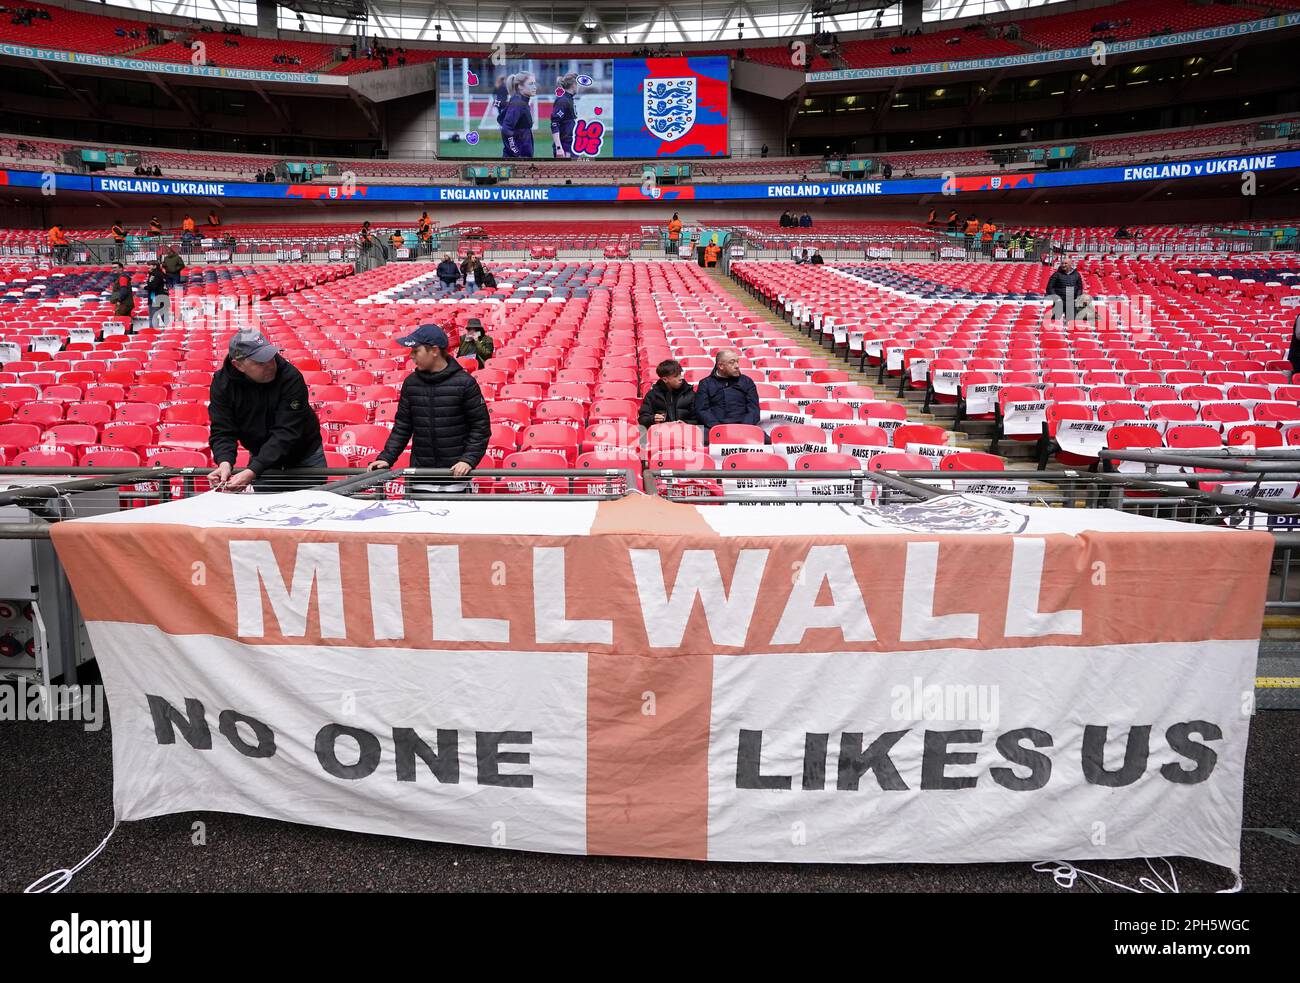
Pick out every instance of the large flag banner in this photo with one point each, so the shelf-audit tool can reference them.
(960, 680)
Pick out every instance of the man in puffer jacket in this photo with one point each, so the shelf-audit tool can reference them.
(448, 272)
(726, 396)
(441, 406)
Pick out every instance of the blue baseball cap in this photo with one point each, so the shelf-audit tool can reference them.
(425, 334)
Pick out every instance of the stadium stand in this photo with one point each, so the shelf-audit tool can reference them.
(1170, 345)
(71, 30)
(241, 51)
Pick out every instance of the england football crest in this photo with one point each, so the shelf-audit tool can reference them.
(334, 191)
(669, 106)
(995, 183)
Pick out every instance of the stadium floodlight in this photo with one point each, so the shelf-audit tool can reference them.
(837, 8)
(340, 9)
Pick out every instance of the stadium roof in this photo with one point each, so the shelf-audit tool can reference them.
(578, 22)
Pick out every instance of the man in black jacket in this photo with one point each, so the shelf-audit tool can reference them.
(448, 272)
(670, 400)
(160, 305)
(1064, 288)
(726, 396)
(441, 407)
(259, 400)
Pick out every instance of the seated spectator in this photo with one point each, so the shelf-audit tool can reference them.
(448, 272)
(816, 258)
(802, 257)
(670, 400)
(726, 396)
(476, 342)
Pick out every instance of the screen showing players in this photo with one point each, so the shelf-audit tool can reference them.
(555, 109)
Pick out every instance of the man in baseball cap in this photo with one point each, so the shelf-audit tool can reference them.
(259, 399)
(440, 408)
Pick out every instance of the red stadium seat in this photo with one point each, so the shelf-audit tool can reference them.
(536, 460)
(96, 414)
(972, 461)
(132, 436)
(170, 458)
(69, 435)
(39, 458)
(147, 413)
(734, 433)
(626, 459)
(361, 443)
(754, 461)
(17, 437)
(42, 414)
(613, 409)
(1254, 435)
(514, 415)
(683, 461)
(119, 458)
(555, 437)
(898, 461)
(919, 433)
(828, 461)
(563, 411)
(188, 413)
(1192, 437)
(337, 417)
(183, 436)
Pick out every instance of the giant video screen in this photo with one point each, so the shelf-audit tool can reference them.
(548, 109)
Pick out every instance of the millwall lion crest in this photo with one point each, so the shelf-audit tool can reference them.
(669, 106)
(946, 514)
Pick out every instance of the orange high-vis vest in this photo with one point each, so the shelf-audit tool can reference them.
(972, 227)
(57, 238)
(674, 229)
(187, 225)
(711, 254)
(987, 231)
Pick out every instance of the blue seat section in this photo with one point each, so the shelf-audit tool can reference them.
(1279, 274)
(888, 277)
(570, 280)
(97, 282)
